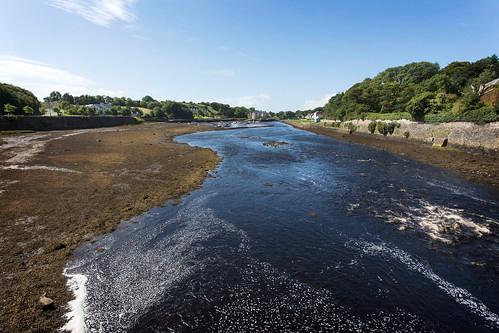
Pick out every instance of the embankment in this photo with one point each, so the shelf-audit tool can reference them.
(62, 188)
(474, 165)
(40, 123)
(458, 134)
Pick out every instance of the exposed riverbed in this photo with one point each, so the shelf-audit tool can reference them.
(311, 234)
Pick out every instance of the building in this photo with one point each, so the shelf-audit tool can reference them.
(257, 115)
(315, 116)
(100, 106)
(489, 92)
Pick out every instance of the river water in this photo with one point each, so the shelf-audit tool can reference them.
(309, 234)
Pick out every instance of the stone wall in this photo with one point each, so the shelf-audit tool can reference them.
(461, 134)
(40, 123)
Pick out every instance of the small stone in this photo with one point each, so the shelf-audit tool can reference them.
(313, 214)
(46, 302)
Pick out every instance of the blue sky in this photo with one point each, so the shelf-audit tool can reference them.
(273, 55)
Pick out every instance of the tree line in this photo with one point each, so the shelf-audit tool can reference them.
(421, 89)
(18, 101)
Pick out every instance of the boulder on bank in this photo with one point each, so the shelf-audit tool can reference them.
(47, 303)
(442, 142)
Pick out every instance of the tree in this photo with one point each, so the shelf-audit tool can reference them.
(420, 105)
(55, 96)
(68, 98)
(58, 111)
(18, 97)
(27, 109)
(148, 99)
(9, 109)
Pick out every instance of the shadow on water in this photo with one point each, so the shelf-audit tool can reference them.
(312, 235)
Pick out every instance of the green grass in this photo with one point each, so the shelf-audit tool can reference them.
(388, 116)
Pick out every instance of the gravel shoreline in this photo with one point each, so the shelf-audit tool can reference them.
(60, 189)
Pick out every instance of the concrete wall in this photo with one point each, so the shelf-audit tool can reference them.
(461, 134)
(38, 123)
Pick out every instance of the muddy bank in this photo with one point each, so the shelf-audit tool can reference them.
(474, 166)
(59, 189)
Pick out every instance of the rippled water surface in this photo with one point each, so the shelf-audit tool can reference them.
(309, 235)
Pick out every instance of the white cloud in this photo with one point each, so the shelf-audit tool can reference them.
(314, 103)
(100, 12)
(255, 101)
(224, 72)
(42, 79)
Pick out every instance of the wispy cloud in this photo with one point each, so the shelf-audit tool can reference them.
(314, 103)
(224, 72)
(42, 79)
(256, 101)
(100, 12)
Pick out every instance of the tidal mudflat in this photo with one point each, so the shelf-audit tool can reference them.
(59, 189)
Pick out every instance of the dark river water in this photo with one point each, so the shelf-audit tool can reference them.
(314, 235)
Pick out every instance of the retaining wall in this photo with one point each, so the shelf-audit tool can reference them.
(463, 134)
(40, 123)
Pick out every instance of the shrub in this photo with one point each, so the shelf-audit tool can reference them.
(382, 128)
(407, 134)
(351, 128)
(372, 127)
(390, 128)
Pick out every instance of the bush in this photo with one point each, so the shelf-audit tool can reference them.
(372, 127)
(407, 134)
(351, 128)
(390, 128)
(382, 128)
(485, 114)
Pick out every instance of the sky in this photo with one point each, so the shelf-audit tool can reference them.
(270, 54)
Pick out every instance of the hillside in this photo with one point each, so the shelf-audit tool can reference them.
(17, 97)
(422, 89)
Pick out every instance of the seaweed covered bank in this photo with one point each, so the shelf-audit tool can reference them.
(59, 189)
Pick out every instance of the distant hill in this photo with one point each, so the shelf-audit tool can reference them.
(18, 97)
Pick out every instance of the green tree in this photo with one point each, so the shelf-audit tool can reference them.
(9, 109)
(420, 105)
(55, 96)
(27, 109)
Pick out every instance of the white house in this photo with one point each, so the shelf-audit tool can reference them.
(315, 116)
(484, 88)
(100, 106)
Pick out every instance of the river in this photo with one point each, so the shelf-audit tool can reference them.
(305, 234)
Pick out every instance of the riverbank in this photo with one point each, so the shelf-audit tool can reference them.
(475, 166)
(59, 189)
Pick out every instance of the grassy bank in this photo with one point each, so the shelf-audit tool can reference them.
(60, 189)
(478, 167)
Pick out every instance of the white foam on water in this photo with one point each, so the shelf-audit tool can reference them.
(458, 191)
(440, 223)
(76, 313)
(270, 300)
(128, 278)
(460, 295)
